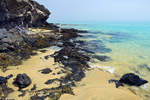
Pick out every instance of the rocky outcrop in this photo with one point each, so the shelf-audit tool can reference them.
(22, 12)
(73, 58)
(8, 38)
(17, 44)
(130, 79)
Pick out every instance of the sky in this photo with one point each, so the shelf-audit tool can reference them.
(97, 10)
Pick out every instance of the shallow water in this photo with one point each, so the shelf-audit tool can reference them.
(127, 44)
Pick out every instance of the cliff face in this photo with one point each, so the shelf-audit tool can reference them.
(16, 42)
(22, 12)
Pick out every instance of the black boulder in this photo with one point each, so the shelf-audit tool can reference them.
(132, 80)
(22, 81)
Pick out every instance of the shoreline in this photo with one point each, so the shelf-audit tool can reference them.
(30, 70)
(68, 57)
(95, 83)
(61, 62)
(95, 86)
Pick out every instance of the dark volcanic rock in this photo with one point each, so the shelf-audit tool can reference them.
(130, 79)
(4, 79)
(27, 12)
(22, 81)
(70, 33)
(71, 54)
(72, 30)
(73, 59)
(16, 45)
(34, 87)
(67, 35)
(5, 91)
(37, 98)
(78, 75)
(51, 81)
(8, 38)
(116, 82)
(53, 93)
(47, 57)
(67, 44)
(46, 71)
(102, 58)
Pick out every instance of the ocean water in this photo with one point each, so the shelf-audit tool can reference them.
(127, 44)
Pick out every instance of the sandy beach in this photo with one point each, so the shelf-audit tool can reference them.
(32, 68)
(84, 53)
(95, 86)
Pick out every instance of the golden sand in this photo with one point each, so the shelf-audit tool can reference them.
(95, 86)
(39, 30)
(31, 67)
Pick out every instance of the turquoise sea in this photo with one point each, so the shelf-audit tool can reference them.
(127, 44)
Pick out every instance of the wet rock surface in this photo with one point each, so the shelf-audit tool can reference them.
(96, 46)
(3, 80)
(72, 58)
(72, 30)
(22, 81)
(67, 35)
(46, 71)
(130, 79)
(102, 58)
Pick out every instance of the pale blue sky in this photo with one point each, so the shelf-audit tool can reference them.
(98, 10)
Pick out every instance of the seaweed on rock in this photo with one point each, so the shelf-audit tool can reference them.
(53, 93)
(75, 61)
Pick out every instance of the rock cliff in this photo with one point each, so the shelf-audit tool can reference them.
(22, 12)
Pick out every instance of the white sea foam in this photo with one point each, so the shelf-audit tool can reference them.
(105, 68)
(145, 86)
(109, 69)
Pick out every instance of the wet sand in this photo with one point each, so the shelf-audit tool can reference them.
(95, 86)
